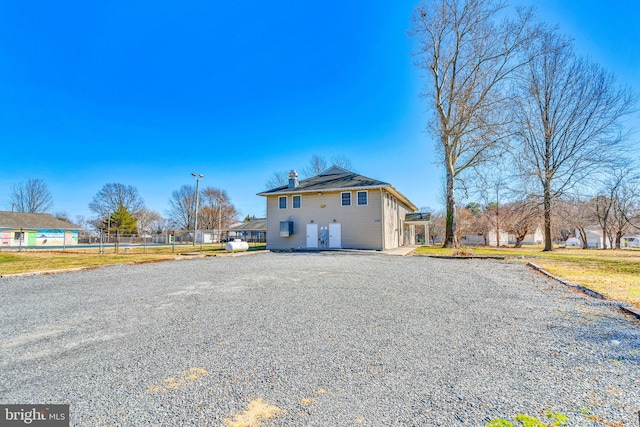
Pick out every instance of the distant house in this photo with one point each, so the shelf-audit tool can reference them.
(31, 230)
(535, 238)
(491, 238)
(595, 239)
(630, 241)
(337, 209)
(254, 230)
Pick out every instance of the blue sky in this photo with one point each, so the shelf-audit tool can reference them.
(145, 93)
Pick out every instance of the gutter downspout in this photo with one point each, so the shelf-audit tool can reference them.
(384, 224)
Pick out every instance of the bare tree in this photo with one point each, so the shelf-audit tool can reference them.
(114, 195)
(215, 206)
(217, 211)
(567, 115)
(316, 165)
(343, 162)
(62, 216)
(437, 229)
(520, 218)
(277, 179)
(468, 57)
(602, 207)
(148, 220)
(624, 191)
(32, 196)
(182, 209)
(577, 214)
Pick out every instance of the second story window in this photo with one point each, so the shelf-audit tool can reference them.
(282, 202)
(346, 199)
(296, 202)
(363, 198)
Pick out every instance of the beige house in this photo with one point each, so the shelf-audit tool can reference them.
(337, 209)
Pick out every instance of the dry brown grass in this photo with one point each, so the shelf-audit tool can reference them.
(12, 262)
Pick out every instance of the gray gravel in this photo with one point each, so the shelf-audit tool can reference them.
(331, 339)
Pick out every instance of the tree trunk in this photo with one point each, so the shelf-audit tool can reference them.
(450, 240)
(548, 243)
(618, 240)
(583, 237)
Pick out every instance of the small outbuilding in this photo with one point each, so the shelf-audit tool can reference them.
(33, 229)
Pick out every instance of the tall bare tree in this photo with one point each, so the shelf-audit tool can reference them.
(32, 196)
(567, 116)
(114, 195)
(468, 57)
(182, 208)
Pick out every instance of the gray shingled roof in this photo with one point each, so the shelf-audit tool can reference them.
(17, 220)
(342, 181)
(258, 224)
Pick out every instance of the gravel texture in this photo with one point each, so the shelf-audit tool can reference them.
(327, 339)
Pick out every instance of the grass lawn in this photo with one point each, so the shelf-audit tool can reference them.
(30, 261)
(614, 273)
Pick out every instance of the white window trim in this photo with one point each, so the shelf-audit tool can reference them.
(293, 206)
(350, 199)
(286, 202)
(358, 199)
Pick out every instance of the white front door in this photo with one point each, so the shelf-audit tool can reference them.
(312, 235)
(335, 235)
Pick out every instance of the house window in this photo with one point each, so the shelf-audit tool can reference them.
(282, 202)
(18, 235)
(296, 202)
(363, 198)
(346, 199)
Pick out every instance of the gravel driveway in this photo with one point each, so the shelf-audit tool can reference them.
(328, 339)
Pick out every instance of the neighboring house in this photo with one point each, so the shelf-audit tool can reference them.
(535, 238)
(479, 238)
(31, 230)
(630, 241)
(254, 230)
(573, 242)
(337, 209)
(594, 239)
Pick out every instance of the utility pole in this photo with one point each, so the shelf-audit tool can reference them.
(220, 220)
(195, 228)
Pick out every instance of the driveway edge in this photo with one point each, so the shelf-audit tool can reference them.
(627, 308)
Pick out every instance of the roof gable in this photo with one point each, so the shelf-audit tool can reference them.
(334, 170)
